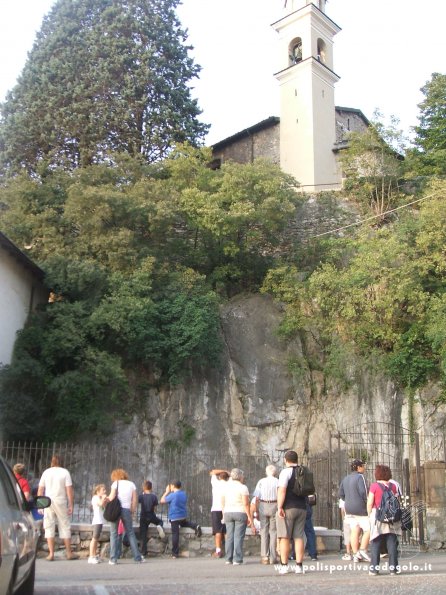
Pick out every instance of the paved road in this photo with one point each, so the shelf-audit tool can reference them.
(423, 573)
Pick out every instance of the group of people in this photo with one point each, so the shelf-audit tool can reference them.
(285, 518)
(56, 483)
(359, 506)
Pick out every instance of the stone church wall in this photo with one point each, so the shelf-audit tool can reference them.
(260, 144)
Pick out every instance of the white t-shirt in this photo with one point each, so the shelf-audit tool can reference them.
(55, 480)
(218, 487)
(98, 516)
(233, 493)
(285, 476)
(125, 490)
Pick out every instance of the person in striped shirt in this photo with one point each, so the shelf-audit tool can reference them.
(266, 500)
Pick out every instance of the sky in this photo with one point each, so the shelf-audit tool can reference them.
(386, 51)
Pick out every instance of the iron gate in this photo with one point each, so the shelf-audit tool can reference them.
(374, 443)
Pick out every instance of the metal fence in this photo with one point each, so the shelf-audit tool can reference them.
(377, 443)
(90, 464)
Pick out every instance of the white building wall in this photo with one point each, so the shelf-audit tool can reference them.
(20, 291)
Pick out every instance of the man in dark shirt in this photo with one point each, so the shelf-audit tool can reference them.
(148, 502)
(291, 515)
(353, 491)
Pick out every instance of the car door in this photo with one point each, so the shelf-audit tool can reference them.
(17, 530)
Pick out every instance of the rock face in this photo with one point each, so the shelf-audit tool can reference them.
(253, 402)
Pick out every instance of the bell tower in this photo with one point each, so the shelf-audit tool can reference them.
(307, 106)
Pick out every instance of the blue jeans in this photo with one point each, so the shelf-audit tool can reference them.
(310, 534)
(235, 533)
(126, 517)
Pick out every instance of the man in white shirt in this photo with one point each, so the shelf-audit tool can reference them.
(266, 501)
(56, 483)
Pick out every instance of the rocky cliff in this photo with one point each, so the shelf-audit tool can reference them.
(253, 403)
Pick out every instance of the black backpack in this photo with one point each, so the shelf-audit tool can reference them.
(389, 511)
(303, 481)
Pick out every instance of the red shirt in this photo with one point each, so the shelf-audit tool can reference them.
(23, 484)
(377, 491)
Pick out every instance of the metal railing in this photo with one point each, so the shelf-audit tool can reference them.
(92, 463)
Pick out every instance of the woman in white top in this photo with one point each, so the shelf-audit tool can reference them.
(126, 492)
(236, 515)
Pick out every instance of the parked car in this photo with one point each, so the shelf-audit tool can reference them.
(18, 535)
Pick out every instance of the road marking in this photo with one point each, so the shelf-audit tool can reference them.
(100, 590)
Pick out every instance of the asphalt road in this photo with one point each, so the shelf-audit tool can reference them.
(422, 573)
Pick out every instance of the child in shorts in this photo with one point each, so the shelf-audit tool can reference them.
(97, 503)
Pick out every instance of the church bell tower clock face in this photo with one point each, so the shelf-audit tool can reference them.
(307, 108)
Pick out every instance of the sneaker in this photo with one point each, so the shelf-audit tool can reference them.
(198, 531)
(374, 573)
(93, 560)
(264, 561)
(396, 571)
(357, 557)
(112, 562)
(161, 533)
(228, 562)
(140, 561)
(314, 559)
(284, 569)
(347, 557)
(364, 555)
(299, 569)
(237, 563)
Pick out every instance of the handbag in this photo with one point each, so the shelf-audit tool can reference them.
(112, 510)
(312, 499)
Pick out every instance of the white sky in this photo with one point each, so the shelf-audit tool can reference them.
(386, 51)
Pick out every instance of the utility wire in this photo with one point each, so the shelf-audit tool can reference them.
(370, 218)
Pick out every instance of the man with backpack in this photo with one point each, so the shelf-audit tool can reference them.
(291, 514)
(353, 491)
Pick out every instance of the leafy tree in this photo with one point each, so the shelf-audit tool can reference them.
(384, 298)
(236, 214)
(133, 254)
(430, 136)
(373, 165)
(103, 76)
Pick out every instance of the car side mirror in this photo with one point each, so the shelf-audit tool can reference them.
(38, 502)
(42, 502)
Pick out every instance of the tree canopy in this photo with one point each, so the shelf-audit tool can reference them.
(374, 166)
(377, 296)
(103, 76)
(430, 136)
(138, 258)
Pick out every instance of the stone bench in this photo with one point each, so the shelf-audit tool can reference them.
(328, 540)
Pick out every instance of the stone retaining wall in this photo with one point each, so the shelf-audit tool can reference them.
(328, 540)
